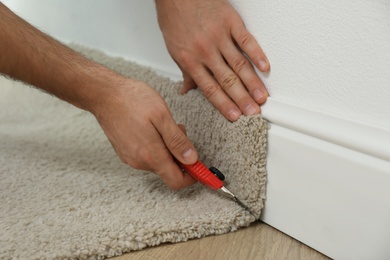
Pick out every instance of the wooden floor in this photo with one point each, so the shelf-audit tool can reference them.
(259, 241)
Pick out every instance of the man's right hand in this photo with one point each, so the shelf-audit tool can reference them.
(143, 132)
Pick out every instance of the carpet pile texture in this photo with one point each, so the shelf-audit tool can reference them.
(65, 194)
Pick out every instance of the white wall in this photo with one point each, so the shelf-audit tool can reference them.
(326, 56)
(127, 28)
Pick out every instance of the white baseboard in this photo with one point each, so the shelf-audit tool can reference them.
(328, 182)
(359, 137)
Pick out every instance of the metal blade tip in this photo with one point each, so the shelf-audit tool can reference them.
(244, 206)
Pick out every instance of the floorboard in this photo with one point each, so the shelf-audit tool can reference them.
(259, 241)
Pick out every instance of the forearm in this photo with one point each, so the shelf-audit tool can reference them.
(34, 57)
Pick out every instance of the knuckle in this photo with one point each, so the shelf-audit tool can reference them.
(229, 81)
(239, 64)
(145, 156)
(185, 59)
(210, 90)
(201, 46)
(131, 162)
(214, 31)
(252, 82)
(141, 158)
(245, 38)
(159, 112)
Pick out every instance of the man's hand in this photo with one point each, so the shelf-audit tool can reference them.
(143, 133)
(207, 40)
(134, 117)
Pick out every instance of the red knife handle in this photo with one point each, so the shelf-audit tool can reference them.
(202, 174)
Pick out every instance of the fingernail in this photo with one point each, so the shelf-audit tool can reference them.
(250, 110)
(258, 95)
(263, 65)
(187, 153)
(234, 115)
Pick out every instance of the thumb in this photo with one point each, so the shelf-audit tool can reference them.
(179, 145)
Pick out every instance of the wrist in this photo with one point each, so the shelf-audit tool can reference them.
(94, 87)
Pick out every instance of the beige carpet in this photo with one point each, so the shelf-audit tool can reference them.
(65, 194)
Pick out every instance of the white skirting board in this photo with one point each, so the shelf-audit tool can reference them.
(328, 181)
(331, 191)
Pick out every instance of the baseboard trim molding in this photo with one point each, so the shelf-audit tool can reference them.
(359, 137)
(329, 197)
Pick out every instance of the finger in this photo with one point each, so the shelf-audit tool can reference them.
(232, 85)
(249, 45)
(243, 68)
(175, 140)
(159, 159)
(215, 94)
(181, 147)
(171, 174)
(188, 84)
